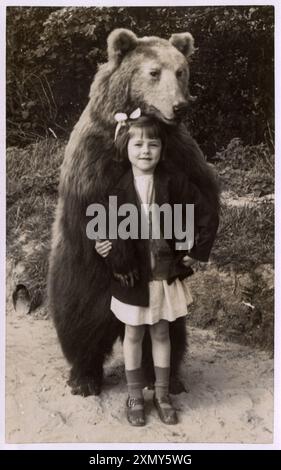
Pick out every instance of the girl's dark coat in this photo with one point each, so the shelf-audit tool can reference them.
(134, 255)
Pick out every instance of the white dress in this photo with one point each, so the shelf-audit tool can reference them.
(166, 302)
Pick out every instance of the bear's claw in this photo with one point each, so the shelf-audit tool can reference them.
(84, 387)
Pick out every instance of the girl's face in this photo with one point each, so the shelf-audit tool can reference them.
(144, 152)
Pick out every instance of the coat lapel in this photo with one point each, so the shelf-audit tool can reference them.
(161, 183)
(125, 187)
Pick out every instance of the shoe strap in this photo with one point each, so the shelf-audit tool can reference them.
(165, 399)
(131, 402)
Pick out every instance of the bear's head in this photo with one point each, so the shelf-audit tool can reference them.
(149, 72)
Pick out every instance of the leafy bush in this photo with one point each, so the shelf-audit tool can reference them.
(31, 105)
(246, 236)
(235, 93)
(246, 169)
(49, 77)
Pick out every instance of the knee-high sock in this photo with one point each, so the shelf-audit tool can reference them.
(134, 382)
(162, 380)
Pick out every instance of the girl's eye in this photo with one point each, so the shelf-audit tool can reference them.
(155, 73)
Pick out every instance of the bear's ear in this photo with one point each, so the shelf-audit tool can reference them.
(119, 42)
(184, 42)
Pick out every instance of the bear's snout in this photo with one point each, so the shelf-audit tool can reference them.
(180, 109)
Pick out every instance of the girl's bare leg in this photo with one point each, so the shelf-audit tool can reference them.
(161, 352)
(161, 346)
(132, 347)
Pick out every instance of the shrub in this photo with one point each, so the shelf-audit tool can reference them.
(246, 169)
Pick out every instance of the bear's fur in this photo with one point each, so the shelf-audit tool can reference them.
(150, 73)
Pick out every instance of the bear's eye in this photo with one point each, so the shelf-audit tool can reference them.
(155, 73)
(179, 73)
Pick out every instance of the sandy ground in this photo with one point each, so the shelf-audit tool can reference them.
(230, 397)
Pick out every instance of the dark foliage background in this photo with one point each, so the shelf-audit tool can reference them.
(53, 54)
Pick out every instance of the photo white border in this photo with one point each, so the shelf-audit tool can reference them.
(277, 354)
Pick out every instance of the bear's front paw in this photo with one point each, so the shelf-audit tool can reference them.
(177, 386)
(85, 386)
(127, 280)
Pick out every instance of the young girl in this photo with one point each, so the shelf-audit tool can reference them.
(147, 287)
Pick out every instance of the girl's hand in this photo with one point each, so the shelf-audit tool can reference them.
(103, 247)
(187, 261)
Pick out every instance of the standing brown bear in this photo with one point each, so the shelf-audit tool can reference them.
(153, 74)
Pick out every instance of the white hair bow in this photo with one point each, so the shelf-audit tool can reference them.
(121, 119)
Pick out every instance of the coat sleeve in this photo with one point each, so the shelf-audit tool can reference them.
(122, 258)
(206, 219)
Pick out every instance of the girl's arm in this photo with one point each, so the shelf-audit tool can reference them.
(206, 222)
(120, 257)
(206, 218)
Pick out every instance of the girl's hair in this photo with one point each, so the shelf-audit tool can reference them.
(152, 129)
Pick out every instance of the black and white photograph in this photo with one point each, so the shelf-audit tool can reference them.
(140, 189)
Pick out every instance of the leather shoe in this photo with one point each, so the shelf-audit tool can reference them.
(165, 409)
(135, 416)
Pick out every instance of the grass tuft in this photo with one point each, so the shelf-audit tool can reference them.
(32, 182)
